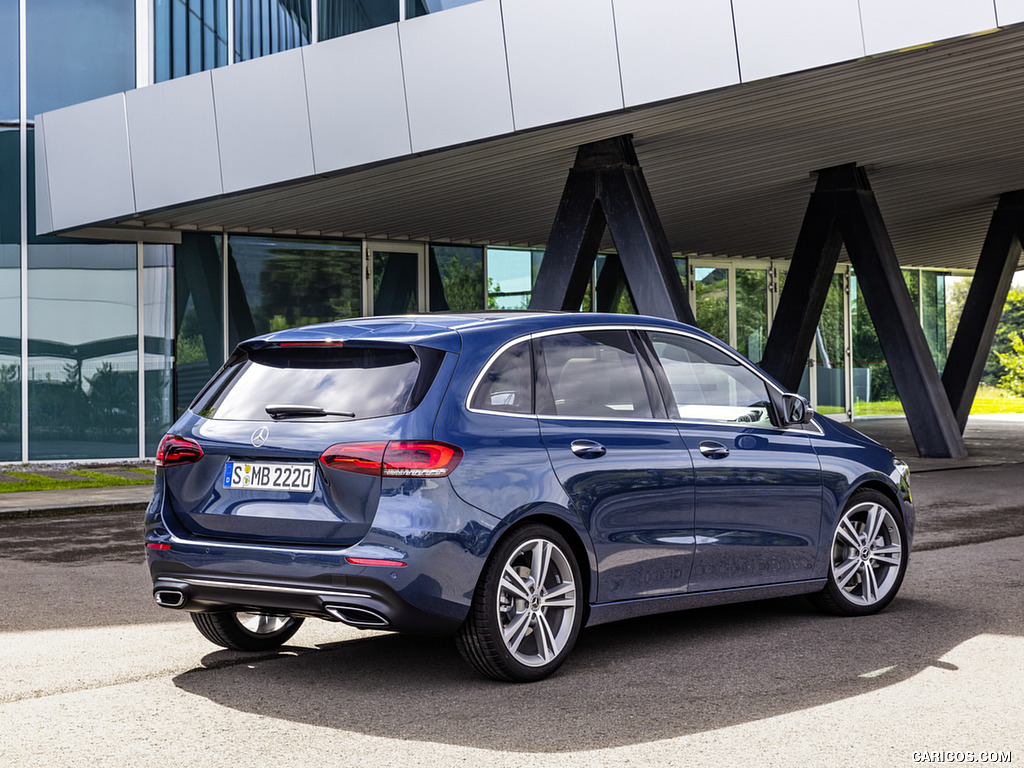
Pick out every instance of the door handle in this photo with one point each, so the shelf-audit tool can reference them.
(587, 449)
(713, 450)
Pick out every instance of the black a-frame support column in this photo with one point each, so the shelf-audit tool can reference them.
(977, 329)
(843, 209)
(606, 187)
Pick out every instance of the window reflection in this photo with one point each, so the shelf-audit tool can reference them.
(9, 60)
(10, 353)
(415, 8)
(263, 27)
(511, 274)
(78, 51)
(713, 301)
(158, 328)
(343, 17)
(189, 36)
(200, 329)
(275, 284)
(83, 351)
(456, 278)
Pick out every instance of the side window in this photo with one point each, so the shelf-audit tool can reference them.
(591, 373)
(507, 385)
(709, 385)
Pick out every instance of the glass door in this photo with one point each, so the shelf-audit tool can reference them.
(395, 278)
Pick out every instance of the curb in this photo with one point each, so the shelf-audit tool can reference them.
(78, 509)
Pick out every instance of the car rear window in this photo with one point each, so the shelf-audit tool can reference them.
(368, 382)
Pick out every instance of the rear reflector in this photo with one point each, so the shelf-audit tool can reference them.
(397, 458)
(177, 450)
(157, 545)
(375, 561)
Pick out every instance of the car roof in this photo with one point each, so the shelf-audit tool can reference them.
(445, 330)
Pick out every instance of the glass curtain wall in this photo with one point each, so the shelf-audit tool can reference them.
(263, 27)
(712, 300)
(415, 8)
(751, 312)
(77, 51)
(343, 17)
(456, 275)
(199, 315)
(189, 36)
(9, 63)
(10, 287)
(511, 274)
(275, 284)
(83, 351)
(158, 338)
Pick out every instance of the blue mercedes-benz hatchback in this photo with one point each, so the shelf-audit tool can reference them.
(509, 478)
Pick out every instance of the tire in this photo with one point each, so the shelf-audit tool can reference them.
(246, 631)
(867, 559)
(520, 629)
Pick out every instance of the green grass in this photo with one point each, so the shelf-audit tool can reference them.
(988, 400)
(994, 400)
(90, 479)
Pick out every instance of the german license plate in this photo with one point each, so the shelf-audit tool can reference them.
(258, 476)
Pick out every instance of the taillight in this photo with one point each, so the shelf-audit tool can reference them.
(397, 458)
(177, 450)
(364, 458)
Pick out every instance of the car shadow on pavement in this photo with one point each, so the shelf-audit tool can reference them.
(626, 683)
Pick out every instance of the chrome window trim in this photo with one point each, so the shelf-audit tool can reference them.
(624, 327)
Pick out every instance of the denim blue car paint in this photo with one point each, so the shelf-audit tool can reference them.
(772, 536)
(505, 477)
(505, 471)
(603, 613)
(850, 461)
(636, 501)
(443, 558)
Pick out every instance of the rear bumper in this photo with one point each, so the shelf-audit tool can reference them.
(363, 603)
(430, 594)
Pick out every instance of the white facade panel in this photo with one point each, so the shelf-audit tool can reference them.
(357, 111)
(890, 25)
(262, 121)
(562, 60)
(456, 76)
(173, 135)
(789, 35)
(668, 48)
(89, 169)
(44, 218)
(1009, 12)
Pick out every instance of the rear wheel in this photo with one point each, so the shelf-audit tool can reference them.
(868, 557)
(527, 608)
(246, 631)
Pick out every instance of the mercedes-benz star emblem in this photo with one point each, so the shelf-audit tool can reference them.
(259, 437)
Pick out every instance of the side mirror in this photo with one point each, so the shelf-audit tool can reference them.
(795, 409)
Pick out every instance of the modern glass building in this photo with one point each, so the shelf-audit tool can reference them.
(108, 330)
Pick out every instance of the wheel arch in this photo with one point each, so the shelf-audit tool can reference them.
(584, 555)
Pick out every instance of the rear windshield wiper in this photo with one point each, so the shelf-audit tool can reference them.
(302, 411)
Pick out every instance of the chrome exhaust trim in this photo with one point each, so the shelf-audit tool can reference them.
(356, 616)
(170, 598)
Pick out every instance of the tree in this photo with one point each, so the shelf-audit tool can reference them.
(1011, 324)
(1013, 364)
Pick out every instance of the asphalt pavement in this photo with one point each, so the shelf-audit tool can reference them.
(93, 672)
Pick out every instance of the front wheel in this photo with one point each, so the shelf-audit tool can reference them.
(246, 631)
(867, 559)
(527, 608)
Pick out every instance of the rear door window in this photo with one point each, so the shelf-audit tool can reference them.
(591, 373)
(367, 382)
